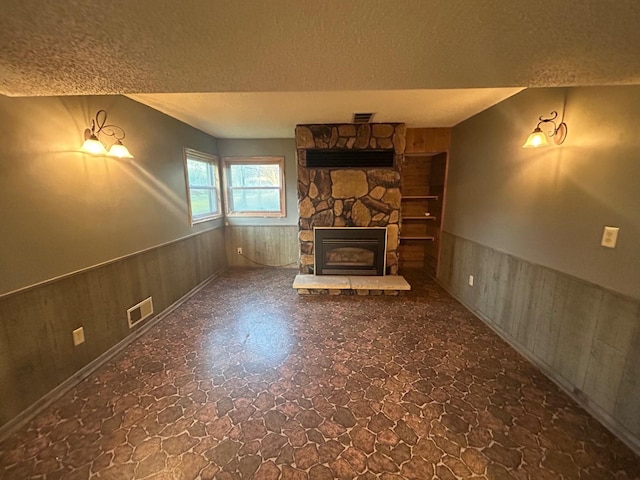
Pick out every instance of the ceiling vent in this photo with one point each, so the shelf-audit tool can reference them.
(362, 117)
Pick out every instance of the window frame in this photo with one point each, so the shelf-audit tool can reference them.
(214, 162)
(227, 162)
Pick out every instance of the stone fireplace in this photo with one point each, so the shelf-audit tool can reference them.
(356, 185)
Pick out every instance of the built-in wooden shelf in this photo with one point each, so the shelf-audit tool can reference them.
(418, 238)
(423, 194)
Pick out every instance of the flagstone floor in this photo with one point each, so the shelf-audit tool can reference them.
(250, 380)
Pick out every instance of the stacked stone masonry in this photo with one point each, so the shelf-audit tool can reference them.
(349, 197)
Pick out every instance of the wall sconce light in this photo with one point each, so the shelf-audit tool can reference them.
(95, 147)
(538, 138)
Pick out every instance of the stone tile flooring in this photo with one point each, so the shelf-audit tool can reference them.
(250, 380)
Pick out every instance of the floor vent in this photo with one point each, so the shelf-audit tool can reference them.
(362, 117)
(139, 312)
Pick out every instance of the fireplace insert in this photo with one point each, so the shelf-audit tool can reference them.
(350, 251)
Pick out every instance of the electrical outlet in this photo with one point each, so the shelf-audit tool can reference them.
(78, 336)
(471, 280)
(239, 250)
(610, 237)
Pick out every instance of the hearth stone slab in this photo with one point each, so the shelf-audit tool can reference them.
(388, 282)
(363, 285)
(339, 282)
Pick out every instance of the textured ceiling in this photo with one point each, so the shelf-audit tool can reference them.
(213, 46)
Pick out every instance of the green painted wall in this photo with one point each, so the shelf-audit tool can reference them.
(62, 210)
(527, 225)
(549, 206)
(122, 223)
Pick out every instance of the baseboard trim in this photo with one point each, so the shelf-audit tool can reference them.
(34, 409)
(610, 423)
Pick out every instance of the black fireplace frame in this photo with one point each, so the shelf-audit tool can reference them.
(373, 239)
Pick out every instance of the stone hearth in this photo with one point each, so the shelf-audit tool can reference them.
(349, 197)
(350, 285)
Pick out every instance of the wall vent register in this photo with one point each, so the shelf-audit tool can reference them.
(139, 312)
(362, 117)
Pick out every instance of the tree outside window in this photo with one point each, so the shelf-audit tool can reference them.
(254, 186)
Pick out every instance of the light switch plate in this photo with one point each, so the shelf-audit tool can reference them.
(610, 237)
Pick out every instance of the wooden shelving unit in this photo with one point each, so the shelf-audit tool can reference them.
(420, 218)
(423, 180)
(417, 238)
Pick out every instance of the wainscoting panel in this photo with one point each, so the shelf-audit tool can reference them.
(275, 245)
(36, 346)
(583, 336)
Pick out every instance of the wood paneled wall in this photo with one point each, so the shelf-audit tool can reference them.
(275, 245)
(583, 336)
(36, 347)
(427, 140)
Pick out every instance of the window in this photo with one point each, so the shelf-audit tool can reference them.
(254, 186)
(201, 172)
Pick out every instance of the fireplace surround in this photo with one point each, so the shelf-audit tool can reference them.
(363, 191)
(350, 251)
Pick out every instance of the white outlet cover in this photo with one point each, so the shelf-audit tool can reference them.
(471, 280)
(610, 237)
(78, 336)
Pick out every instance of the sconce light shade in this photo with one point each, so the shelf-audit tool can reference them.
(95, 147)
(119, 150)
(537, 139)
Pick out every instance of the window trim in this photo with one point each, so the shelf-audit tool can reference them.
(226, 164)
(215, 164)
